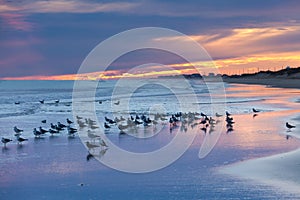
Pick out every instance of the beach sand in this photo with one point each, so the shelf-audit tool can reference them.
(280, 171)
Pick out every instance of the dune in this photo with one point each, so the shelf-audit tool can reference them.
(285, 78)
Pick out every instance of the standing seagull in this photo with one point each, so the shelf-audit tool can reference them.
(289, 126)
(20, 140)
(91, 146)
(5, 140)
(43, 131)
(17, 130)
(69, 121)
(218, 115)
(36, 133)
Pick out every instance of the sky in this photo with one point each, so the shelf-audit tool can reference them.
(50, 39)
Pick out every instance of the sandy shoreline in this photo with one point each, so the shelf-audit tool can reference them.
(272, 82)
(280, 171)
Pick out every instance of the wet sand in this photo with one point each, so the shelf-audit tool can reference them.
(282, 170)
(57, 167)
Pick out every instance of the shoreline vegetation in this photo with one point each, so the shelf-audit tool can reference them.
(285, 78)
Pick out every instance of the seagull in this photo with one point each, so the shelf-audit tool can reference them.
(229, 129)
(203, 122)
(137, 122)
(5, 140)
(117, 103)
(255, 111)
(106, 125)
(229, 125)
(56, 101)
(229, 119)
(122, 127)
(218, 115)
(71, 131)
(90, 121)
(94, 127)
(69, 121)
(43, 131)
(17, 102)
(289, 126)
(53, 131)
(17, 130)
(42, 101)
(44, 121)
(81, 124)
(77, 117)
(203, 115)
(91, 146)
(102, 143)
(36, 133)
(60, 125)
(204, 129)
(91, 135)
(20, 140)
(122, 118)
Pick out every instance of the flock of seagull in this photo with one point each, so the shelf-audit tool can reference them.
(185, 119)
(38, 132)
(131, 123)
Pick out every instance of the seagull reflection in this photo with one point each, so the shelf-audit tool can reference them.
(98, 154)
(211, 130)
(89, 156)
(91, 146)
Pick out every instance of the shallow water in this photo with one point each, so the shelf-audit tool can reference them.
(57, 167)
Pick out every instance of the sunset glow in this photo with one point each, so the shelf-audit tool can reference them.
(36, 48)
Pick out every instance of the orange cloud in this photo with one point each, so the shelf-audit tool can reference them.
(242, 50)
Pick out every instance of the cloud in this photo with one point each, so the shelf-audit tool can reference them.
(240, 42)
(16, 21)
(70, 6)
